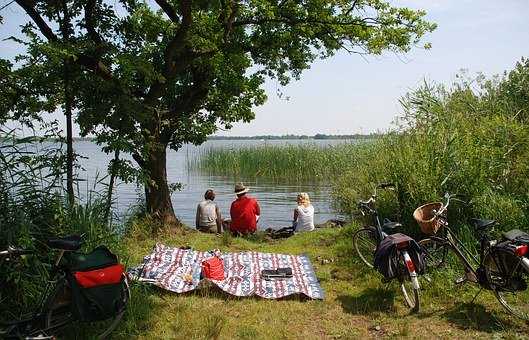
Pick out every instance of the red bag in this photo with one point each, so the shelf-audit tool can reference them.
(99, 277)
(213, 269)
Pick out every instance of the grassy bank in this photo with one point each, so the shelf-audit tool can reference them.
(357, 304)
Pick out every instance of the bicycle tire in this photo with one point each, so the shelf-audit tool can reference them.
(58, 315)
(365, 244)
(436, 252)
(513, 301)
(410, 293)
(58, 307)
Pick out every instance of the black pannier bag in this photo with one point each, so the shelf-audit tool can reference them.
(517, 236)
(387, 260)
(97, 283)
(505, 259)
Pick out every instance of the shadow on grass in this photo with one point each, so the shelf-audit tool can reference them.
(371, 300)
(473, 316)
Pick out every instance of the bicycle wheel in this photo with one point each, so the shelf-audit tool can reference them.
(365, 244)
(436, 252)
(109, 325)
(510, 288)
(59, 311)
(58, 307)
(409, 286)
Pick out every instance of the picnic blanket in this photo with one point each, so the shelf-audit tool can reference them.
(178, 270)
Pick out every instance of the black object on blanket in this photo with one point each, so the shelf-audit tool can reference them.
(279, 273)
(280, 233)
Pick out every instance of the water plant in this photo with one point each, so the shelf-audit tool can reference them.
(309, 163)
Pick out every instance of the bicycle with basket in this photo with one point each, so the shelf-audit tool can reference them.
(501, 266)
(82, 287)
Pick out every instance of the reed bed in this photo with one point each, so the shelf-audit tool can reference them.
(301, 163)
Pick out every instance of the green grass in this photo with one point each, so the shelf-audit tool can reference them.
(357, 304)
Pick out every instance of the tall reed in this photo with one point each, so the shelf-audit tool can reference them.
(302, 162)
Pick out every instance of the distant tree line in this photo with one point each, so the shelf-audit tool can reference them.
(291, 136)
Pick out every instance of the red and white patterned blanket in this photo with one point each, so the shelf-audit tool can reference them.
(178, 270)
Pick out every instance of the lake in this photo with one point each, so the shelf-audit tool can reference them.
(277, 200)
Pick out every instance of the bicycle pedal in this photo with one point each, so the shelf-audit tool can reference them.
(385, 280)
(460, 281)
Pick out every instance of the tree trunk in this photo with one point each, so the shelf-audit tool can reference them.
(113, 166)
(157, 194)
(69, 134)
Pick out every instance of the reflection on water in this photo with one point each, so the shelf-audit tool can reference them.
(277, 200)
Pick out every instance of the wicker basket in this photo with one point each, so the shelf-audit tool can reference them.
(425, 217)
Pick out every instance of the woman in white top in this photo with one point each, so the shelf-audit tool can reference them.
(208, 217)
(304, 213)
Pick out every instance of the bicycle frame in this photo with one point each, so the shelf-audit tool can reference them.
(374, 213)
(37, 315)
(471, 263)
(461, 251)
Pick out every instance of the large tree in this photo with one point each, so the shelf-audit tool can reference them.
(162, 73)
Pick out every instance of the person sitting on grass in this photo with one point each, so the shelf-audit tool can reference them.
(244, 212)
(208, 219)
(303, 214)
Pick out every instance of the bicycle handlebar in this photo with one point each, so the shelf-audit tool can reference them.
(367, 204)
(13, 252)
(448, 197)
(385, 186)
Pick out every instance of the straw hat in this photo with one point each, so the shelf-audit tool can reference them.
(240, 189)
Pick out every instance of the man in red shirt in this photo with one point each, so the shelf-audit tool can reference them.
(244, 212)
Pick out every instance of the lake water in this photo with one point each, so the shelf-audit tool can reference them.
(277, 201)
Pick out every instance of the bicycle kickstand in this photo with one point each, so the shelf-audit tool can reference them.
(475, 296)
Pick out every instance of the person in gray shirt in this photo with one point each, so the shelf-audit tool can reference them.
(208, 214)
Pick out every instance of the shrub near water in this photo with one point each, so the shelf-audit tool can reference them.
(470, 139)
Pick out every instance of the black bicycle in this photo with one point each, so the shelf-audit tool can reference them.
(501, 266)
(366, 242)
(56, 308)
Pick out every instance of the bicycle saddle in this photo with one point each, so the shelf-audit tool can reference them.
(71, 243)
(390, 225)
(480, 224)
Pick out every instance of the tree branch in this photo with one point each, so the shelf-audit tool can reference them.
(90, 22)
(29, 7)
(189, 100)
(289, 21)
(351, 9)
(171, 49)
(228, 26)
(169, 10)
(95, 65)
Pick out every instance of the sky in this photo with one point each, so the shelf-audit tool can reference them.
(349, 94)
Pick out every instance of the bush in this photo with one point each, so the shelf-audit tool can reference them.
(472, 139)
